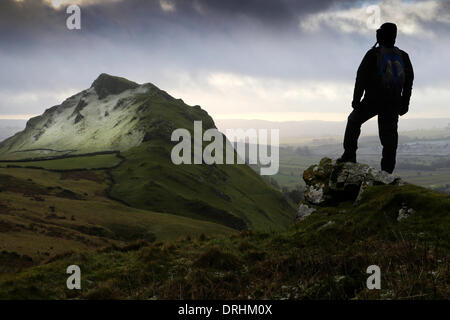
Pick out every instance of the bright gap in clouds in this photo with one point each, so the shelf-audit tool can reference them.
(58, 3)
(237, 96)
(234, 96)
(17, 116)
(283, 116)
(408, 15)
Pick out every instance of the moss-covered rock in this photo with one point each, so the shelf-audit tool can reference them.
(331, 183)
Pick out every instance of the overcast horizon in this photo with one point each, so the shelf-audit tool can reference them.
(280, 60)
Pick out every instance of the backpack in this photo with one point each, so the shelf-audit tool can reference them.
(391, 71)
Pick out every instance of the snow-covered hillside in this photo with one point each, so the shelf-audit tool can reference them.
(107, 116)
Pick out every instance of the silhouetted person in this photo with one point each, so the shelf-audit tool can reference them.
(385, 76)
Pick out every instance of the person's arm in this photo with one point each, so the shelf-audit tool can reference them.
(407, 88)
(361, 80)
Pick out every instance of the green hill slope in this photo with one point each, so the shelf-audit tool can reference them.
(44, 213)
(232, 195)
(323, 256)
(136, 121)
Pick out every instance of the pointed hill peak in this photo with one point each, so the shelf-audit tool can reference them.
(106, 84)
(114, 114)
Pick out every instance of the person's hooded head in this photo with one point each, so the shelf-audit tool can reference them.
(386, 34)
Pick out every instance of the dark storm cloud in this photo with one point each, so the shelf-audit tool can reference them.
(197, 34)
(267, 11)
(25, 20)
(28, 17)
(28, 22)
(183, 44)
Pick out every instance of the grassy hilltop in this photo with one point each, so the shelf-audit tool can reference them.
(96, 171)
(324, 256)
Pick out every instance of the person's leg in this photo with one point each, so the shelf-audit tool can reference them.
(353, 130)
(387, 126)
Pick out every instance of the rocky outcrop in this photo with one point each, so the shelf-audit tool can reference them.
(304, 210)
(405, 212)
(106, 84)
(329, 183)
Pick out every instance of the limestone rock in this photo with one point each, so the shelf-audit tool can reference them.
(405, 213)
(304, 210)
(329, 183)
(326, 225)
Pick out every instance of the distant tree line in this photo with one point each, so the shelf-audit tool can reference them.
(444, 188)
(303, 151)
(300, 151)
(434, 165)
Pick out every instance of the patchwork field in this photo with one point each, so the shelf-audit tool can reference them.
(44, 213)
(86, 162)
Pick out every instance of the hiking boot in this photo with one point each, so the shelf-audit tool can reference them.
(346, 158)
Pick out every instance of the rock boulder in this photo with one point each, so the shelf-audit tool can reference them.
(329, 183)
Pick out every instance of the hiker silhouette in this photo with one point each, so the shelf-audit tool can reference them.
(385, 77)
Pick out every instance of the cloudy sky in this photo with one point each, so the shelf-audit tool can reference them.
(248, 59)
